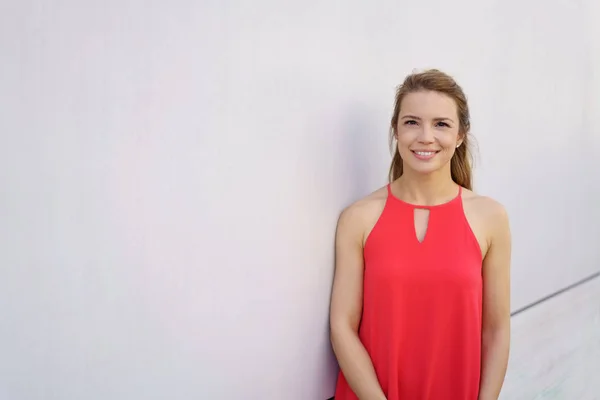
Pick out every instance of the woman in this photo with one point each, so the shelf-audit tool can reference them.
(420, 304)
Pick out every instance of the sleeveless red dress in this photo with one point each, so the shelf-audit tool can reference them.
(422, 304)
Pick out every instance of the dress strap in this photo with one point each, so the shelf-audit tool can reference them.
(389, 189)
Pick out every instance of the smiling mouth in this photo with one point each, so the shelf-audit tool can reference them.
(424, 155)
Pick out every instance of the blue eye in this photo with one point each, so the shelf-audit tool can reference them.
(410, 122)
(443, 124)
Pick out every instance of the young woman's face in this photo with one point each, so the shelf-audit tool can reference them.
(427, 131)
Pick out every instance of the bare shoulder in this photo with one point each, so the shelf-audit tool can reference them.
(488, 218)
(484, 207)
(360, 217)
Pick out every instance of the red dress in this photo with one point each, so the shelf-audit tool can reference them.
(422, 305)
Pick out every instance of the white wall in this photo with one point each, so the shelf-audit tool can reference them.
(172, 173)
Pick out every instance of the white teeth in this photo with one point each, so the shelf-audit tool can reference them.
(425, 153)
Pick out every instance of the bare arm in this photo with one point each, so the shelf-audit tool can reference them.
(346, 309)
(496, 307)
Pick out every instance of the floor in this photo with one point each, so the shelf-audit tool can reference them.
(555, 349)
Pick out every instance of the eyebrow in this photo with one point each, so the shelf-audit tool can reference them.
(435, 119)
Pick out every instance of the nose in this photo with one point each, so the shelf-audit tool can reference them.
(426, 136)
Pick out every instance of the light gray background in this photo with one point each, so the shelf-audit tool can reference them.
(172, 172)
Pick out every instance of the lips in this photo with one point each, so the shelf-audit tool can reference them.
(425, 154)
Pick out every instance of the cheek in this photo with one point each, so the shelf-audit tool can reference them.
(404, 146)
(448, 140)
(405, 138)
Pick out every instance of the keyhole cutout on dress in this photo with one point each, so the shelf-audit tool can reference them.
(421, 216)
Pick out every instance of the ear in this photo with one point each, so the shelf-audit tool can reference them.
(461, 138)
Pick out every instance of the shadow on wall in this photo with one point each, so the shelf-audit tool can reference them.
(361, 172)
(362, 138)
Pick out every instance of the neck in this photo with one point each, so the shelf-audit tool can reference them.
(426, 189)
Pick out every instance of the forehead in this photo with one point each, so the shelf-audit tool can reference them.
(428, 104)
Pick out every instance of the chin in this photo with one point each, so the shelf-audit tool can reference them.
(423, 167)
(424, 170)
